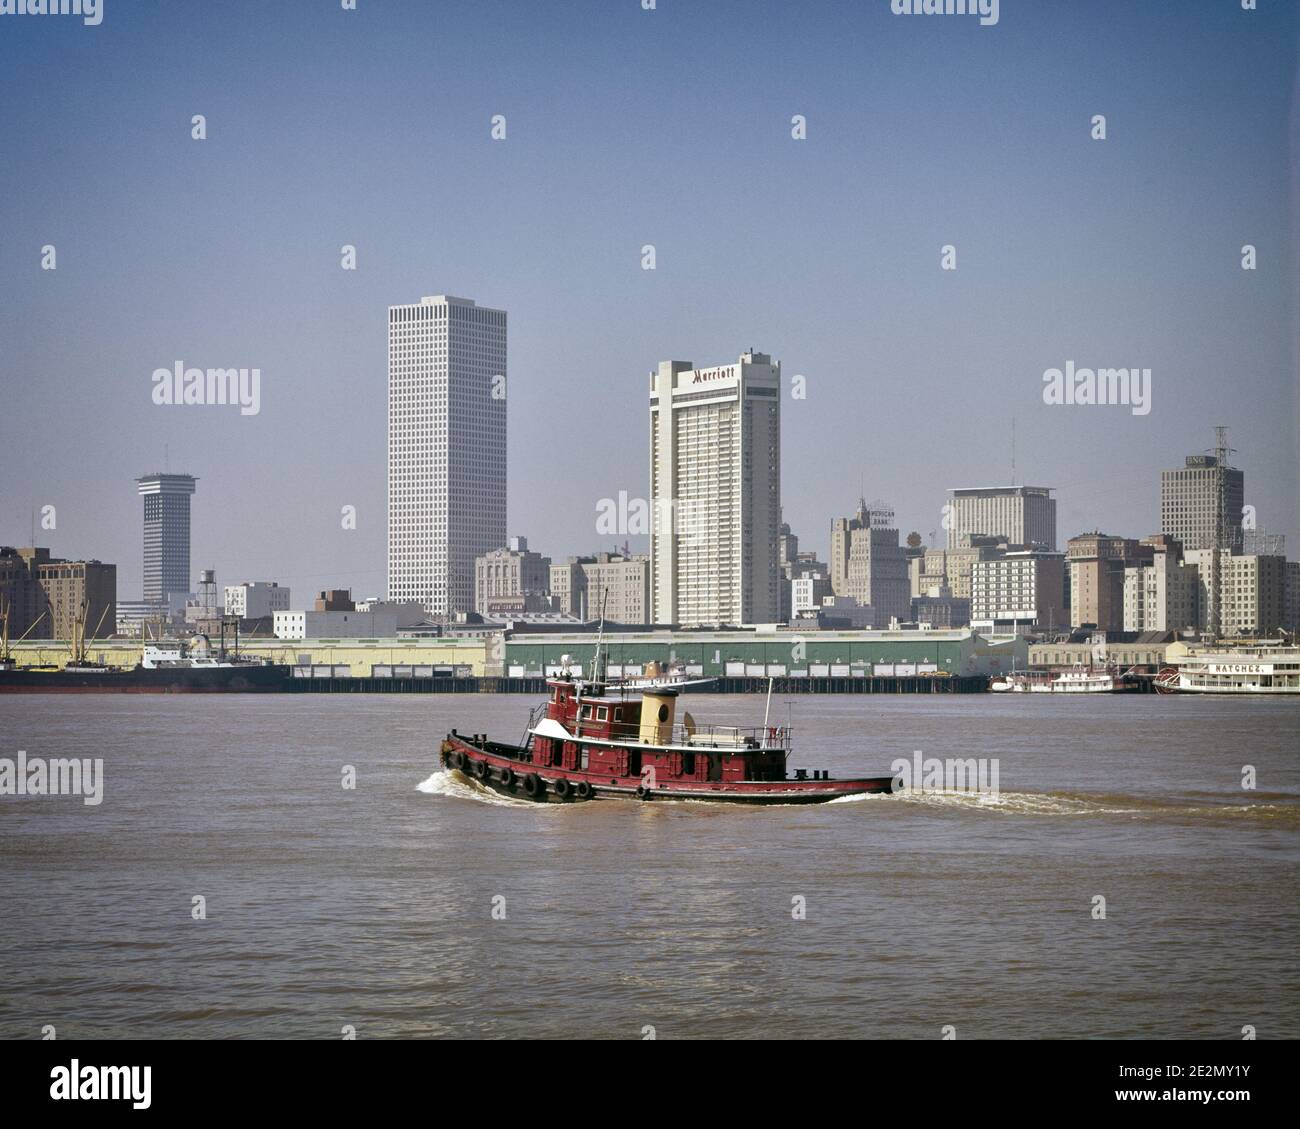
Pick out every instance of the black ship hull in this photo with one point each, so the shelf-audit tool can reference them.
(164, 680)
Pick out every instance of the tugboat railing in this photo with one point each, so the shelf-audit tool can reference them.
(725, 737)
(692, 735)
(534, 715)
(773, 736)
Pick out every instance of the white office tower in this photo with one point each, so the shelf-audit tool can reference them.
(715, 484)
(446, 448)
(1024, 515)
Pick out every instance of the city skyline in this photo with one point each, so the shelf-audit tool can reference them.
(913, 374)
(952, 538)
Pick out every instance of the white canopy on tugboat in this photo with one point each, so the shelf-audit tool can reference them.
(549, 727)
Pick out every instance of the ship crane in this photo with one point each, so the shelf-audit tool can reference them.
(6, 654)
(78, 642)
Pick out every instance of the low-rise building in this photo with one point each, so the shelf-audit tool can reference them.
(1097, 562)
(1249, 590)
(509, 575)
(44, 597)
(256, 599)
(939, 608)
(334, 600)
(1291, 596)
(568, 586)
(407, 612)
(1161, 595)
(809, 587)
(1144, 652)
(845, 613)
(955, 567)
(623, 583)
(334, 625)
(1025, 588)
(623, 579)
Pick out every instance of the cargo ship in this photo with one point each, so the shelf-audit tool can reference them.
(592, 740)
(169, 669)
(92, 678)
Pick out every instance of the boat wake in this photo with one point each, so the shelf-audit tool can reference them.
(861, 797)
(1099, 804)
(1195, 807)
(449, 782)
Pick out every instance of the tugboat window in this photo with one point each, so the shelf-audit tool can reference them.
(663, 713)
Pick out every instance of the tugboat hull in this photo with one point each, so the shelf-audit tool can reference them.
(506, 770)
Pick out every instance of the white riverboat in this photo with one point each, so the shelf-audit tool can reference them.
(656, 678)
(1248, 668)
(1080, 680)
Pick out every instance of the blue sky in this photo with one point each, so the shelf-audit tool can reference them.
(625, 127)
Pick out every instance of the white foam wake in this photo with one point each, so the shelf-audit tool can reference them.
(859, 798)
(1026, 803)
(449, 782)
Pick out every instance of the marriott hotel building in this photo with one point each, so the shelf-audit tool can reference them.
(715, 475)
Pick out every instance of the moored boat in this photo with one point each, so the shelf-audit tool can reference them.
(163, 669)
(1081, 680)
(1245, 668)
(82, 678)
(655, 677)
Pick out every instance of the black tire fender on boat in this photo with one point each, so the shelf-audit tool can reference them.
(508, 777)
(460, 760)
(482, 770)
(582, 790)
(562, 788)
(642, 792)
(534, 786)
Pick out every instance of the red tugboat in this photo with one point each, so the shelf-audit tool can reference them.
(596, 741)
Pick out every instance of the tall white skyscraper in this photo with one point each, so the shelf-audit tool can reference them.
(166, 535)
(715, 484)
(446, 448)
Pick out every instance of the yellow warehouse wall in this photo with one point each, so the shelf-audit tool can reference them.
(360, 657)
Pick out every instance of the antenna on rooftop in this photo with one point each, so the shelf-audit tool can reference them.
(1223, 533)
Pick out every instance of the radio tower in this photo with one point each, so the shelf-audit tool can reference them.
(1223, 537)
